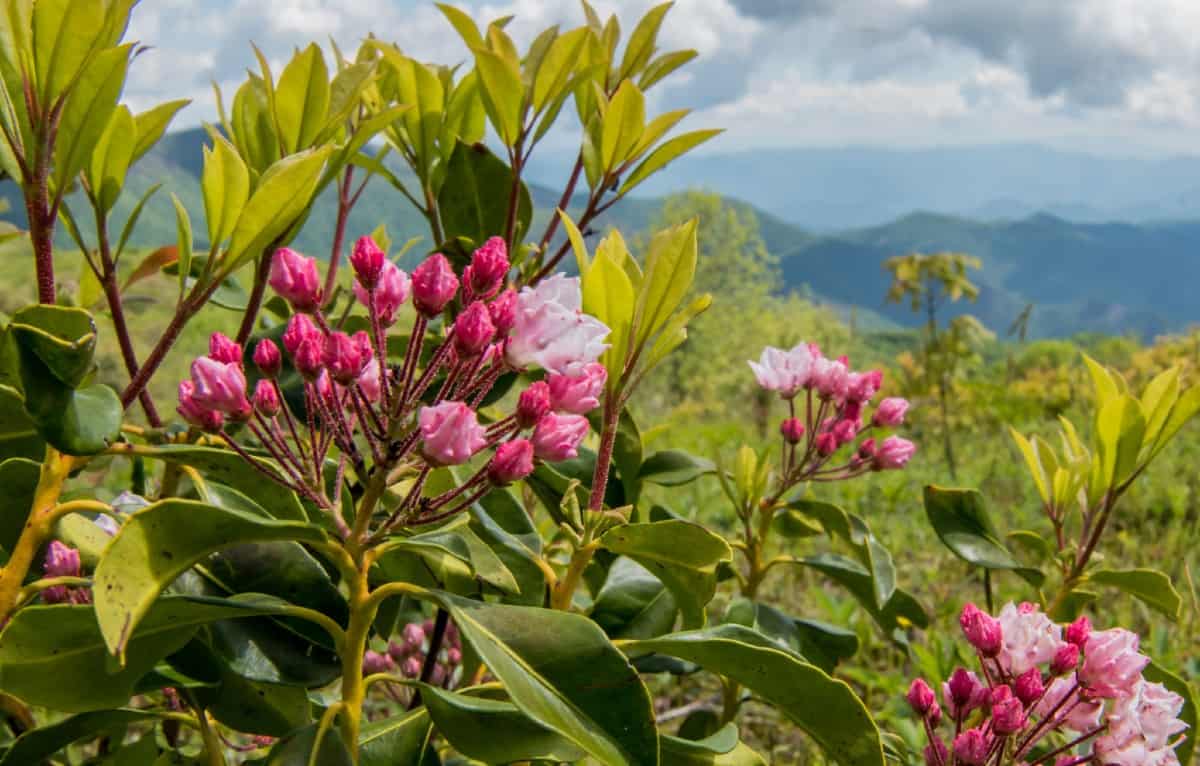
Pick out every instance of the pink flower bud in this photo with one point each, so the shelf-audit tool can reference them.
(453, 656)
(368, 381)
(1066, 659)
(936, 753)
(296, 279)
(222, 349)
(830, 378)
(513, 461)
(1077, 632)
(890, 412)
(61, 561)
(473, 330)
(367, 261)
(557, 437)
(1008, 714)
(389, 294)
(893, 452)
(299, 328)
(266, 400)
(845, 431)
(267, 358)
(982, 630)
(451, 433)
(375, 662)
(577, 394)
(866, 450)
(792, 430)
(504, 311)
(1029, 687)
(220, 386)
(921, 697)
(532, 404)
(862, 386)
(433, 285)
(414, 637)
(1112, 665)
(972, 747)
(309, 359)
(411, 668)
(204, 418)
(827, 444)
(489, 267)
(343, 357)
(963, 693)
(852, 410)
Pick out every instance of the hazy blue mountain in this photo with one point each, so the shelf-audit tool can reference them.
(1082, 274)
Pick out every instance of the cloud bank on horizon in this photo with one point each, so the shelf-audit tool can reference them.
(1114, 76)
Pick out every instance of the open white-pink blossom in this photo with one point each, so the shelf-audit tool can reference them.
(785, 371)
(1112, 665)
(551, 331)
(1029, 638)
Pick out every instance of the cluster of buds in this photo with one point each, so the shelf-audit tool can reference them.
(1049, 694)
(834, 421)
(408, 655)
(63, 561)
(423, 411)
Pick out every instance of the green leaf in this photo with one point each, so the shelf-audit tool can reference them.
(549, 663)
(500, 522)
(1120, 428)
(226, 185)
(670, 269)
(36, 745)
(61, 338)
(65, 34)
(901, 610)
(633, 603)
(297, 749)
(1157, 674)
(150, 125)
(158, 543)
(666, 152)
(664, 65)
(681, 554)
(184, 238)
(19, 477)
(854, 530)
(463, 24)
(1149, 586)
(623, 124)
(493, 731)
(557, 67)
(111, 159)
(83, 422)
(825, 708)
(718, 749)
(18, 433)
(227, 467)
(821, 644)
(254, 707)
(1105, 384)
(42, 645)
(473, 201)
(961, 522)
(302, 98)
(502, 92)
(87, 111)
(642, 41)
(282, 196)
(671, 468)
(396, 740)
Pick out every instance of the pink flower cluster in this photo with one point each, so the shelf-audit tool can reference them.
(1049, 695)
(833, 416)
(422, 411)
(408, 654)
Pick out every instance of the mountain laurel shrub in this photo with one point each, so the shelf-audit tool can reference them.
(419, 533)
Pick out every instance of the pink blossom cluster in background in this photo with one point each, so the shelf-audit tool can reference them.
(1048, 694)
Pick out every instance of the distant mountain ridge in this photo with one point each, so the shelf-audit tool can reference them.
(1081, 275)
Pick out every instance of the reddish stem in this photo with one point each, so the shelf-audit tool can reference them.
(257, 292)
(345, 203)
(608, 441)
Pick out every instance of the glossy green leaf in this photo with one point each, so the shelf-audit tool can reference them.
(853, 530)
(901, 611)
(61, 338)
(493, 731)
(1149, 586)
(158, 543)
(151, 124)
(42, 645)
(825, 708)
(557, 67)
(681, 554)
(961, 522)
(65, 34)
(396, 740)
(500, 523)
(110, 159)
(664, 65)
(227, 467)
(671, 468)
(667, 152)
(281, 197)
(18, 433)
(463, 24)
(184, 239)
(302, 98)
(297, 749)
(633, 603)
(83, 422)
(473, 201)
(87, 111)
(642, 41)
(19, 477)
(502, 93)
(549, 663)
(821, 644)
(670, 269)
(36, 745)
(624, 121)
(225, 182)
(721, 748)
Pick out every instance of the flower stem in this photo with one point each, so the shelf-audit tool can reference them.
(37, 530)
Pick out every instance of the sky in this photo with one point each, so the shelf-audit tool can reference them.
(1117, 77)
